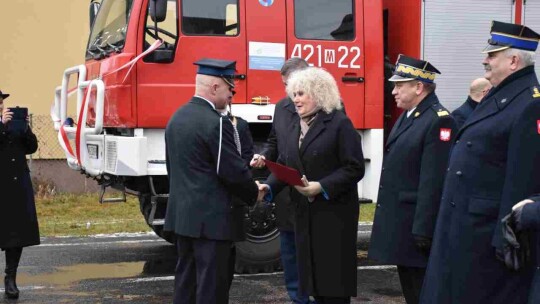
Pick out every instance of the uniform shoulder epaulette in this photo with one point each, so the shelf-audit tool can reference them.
(440, 110)
(535, 92)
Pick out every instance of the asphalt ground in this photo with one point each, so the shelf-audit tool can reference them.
(139, 268)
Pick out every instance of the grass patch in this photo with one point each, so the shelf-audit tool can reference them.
(367, 212)
(81, 215)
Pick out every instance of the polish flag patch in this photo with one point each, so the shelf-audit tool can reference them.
(538, 126)
(446, 134)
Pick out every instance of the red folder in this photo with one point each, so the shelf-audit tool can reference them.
(285, 174)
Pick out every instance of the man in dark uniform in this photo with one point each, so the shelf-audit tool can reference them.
(284, 114)
(492, 166)
(414, 165)
(527, 218)
(205, 170)
(479, 88)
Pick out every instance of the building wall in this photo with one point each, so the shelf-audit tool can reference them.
(39, 40)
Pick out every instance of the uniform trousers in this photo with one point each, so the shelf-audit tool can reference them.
(411, 279)
(202, 271)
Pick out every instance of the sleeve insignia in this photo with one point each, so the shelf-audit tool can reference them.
(442, 113)
(536, 93)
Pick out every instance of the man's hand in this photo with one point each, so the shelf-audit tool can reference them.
(257, 161)
(423, 243)
(263, 190)
(521, 204)
(6, 115)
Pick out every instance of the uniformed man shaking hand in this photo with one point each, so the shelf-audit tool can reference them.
(414, 165)
(205, 170)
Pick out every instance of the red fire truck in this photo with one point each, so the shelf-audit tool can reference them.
(139, 70)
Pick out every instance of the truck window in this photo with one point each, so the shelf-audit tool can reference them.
(324, 19)
(210, 17)
(109, 29)
(167, 30)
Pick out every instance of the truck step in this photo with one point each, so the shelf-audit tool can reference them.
(103, 199)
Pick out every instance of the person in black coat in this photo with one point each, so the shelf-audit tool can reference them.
(205, 170)
(324, 146)
(492, 166)
(284, 115)
(414, 165)
(527, 218)
(479, 88)
(18, 220)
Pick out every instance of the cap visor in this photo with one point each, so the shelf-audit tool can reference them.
(5, 96)
(494, 48)
(230, 82)
(397, 78)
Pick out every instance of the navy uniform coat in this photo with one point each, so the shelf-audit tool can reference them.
(202, 177)
(414, 165)
(530, 220)
(331, 153)
(494, 164)
(284, 115)
(239, 207)
(18, 219)
(464, 111)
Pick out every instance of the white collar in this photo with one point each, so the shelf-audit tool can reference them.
(410, 112)
(211, 104)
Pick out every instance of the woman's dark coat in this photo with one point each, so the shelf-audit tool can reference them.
(326, 229)
(18, 219)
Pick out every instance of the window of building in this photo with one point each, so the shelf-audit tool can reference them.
(324, 19)
(210, 17)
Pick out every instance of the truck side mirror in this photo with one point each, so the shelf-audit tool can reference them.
(158, 10)
(93, 10)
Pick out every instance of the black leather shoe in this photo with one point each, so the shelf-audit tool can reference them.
(12, 292)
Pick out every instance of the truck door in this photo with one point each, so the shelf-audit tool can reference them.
(206, 29)
(329, 34)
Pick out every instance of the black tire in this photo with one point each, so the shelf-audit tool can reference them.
(146, 207)
(260, 252)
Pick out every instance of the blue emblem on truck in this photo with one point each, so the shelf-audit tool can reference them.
(266, 2)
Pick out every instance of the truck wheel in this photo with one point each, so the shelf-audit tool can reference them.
(146, 207)
(260, 252)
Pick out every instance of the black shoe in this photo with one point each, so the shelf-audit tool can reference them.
(12, 292)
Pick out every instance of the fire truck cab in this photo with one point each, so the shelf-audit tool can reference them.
(139, 70)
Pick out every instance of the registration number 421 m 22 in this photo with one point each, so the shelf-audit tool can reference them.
(346, 57)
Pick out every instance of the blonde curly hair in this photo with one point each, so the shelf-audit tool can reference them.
(318, 84)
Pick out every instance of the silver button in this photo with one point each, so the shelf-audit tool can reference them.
(459, 173)
(15, 178)
(13, 159)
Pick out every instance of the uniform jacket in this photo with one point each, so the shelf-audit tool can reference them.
(492, 166)
(205, 170)
(331, 153)
(284, 115)
(238, 232)
(414, 165)
(18, 219)
(531, 221)
(464, 111)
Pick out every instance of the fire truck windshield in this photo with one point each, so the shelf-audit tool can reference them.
(109, 29)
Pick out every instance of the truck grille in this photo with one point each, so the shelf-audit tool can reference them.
(112, 156)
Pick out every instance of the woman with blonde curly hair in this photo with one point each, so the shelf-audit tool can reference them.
(325, 147)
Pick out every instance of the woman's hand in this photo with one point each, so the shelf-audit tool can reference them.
(263, 190)
(310, 190)
(6, 115)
